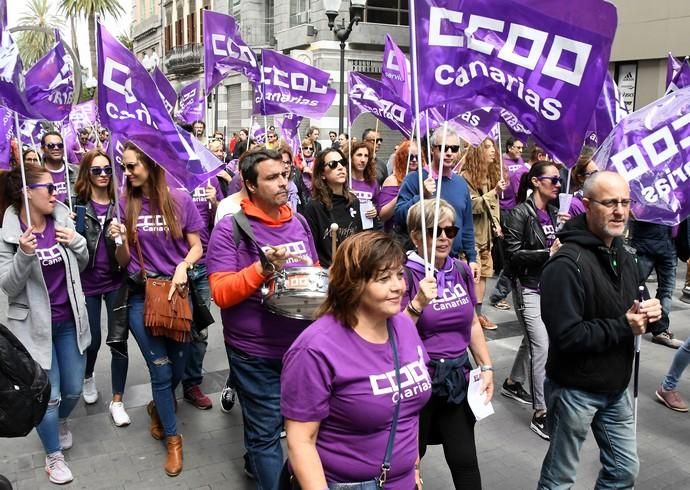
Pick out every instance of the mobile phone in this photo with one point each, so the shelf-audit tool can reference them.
(81, 219)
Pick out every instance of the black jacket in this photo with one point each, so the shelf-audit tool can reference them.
(586, 290)
(94, 232)
(651, 239)
(525, 243)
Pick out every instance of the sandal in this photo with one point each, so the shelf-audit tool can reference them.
(501, 305)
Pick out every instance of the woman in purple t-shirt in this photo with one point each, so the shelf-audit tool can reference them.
(39, 272)
(166, 225)
(94, 191)
(448, 326)
(364, 184)
(338, 386)
(388, 196)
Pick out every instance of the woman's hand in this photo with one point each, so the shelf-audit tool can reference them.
(501, 185)
(211, 194)
(371, 213)
(555, 247)
(428, 290)
(28, 242)
(487, 386)
(429, 187)
(116, 229)
(64, 235)
(419, 483)
(179, 280)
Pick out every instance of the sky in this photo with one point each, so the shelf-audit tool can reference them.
(16, 9)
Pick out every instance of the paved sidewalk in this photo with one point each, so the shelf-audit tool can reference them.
(510, 454)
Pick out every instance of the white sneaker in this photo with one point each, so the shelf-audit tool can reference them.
(57, 469)
(118, 414)
(89, 391)
(65, 435)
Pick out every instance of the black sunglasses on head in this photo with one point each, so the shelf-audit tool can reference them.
(333, 164)
(98, 171)
(450, 231)
(450, 148)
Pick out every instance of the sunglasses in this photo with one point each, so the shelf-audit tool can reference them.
(333, 164)
(450, 148)
(31, 160)
(413, 158)
(374, 140)
(310, 148)
(450, 231)
(50, 187)
(98, 171)
(554, 180)
(129, 166)
(55, 146)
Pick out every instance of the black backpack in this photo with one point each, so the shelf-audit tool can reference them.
(24, 388)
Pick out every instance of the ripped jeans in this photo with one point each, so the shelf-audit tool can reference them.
(166, 360)
(66, 375)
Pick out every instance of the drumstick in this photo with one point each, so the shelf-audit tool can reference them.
(334, 238)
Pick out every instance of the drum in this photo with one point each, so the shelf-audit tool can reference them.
(295, 292)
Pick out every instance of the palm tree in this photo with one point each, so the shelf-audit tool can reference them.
(34, 44)
(88, 9)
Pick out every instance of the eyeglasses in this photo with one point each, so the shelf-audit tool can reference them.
(333, 164)
(308, 148)
(450, 148)
(554, 180)
(374, 140)
(50, 187)
(98, 171)
(589, 174)
(129, 166)
(413, 158)
(55, 146)
(614, 203)
(450, 231)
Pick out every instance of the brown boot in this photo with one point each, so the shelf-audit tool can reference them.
(156, 426)
(173, 462)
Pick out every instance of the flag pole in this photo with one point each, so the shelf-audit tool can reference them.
(116, 185)
(22, 170)
(66, 164)
(500, 152)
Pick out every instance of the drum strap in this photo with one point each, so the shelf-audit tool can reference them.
(242, 228)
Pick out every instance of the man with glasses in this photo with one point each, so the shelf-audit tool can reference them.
(334, 139)
(373, 137)
(589, 304)
(53, 149)
(83, 144)
(453, 189)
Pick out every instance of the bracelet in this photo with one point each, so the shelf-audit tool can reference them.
(486, 368)
(413, 310)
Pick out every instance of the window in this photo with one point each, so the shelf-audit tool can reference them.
(191, 28)
(168, 38)
(300, 12)
(152, 6)
(394, 12)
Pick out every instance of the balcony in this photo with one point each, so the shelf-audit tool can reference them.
(185, 59)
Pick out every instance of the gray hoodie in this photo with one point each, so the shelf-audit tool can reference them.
(21, 278)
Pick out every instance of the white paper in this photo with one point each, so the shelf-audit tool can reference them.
(564, 201)
(475, 398)
(365, 206)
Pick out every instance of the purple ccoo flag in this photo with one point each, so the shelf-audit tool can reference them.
(609, 111)
(192, 102)
(130, 106)
(369, 95)
(257, 133)
(288, 85)
(11, 78)
(287, 127)
(395, 70)
(681, 78)
(50, 84)
(225, 51)
(166, 89)
(650, 148)
(672, 67)
(6, 134)
(544, 61)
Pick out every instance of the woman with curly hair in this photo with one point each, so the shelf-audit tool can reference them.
(391, 186)
(364, 184)
(482, 173)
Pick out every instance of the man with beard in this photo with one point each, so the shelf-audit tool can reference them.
(53, 149)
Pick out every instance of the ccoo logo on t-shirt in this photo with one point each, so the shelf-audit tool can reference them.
(297, 250)
(154, 224)
(49, 256)
(414, 379)
(452, 297)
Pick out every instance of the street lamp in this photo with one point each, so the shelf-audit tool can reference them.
(342, 33)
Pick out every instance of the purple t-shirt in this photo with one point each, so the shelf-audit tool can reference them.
(54, 272)
(547, 226)
(577, 207)
(354, 401)
(366, 192)
(387, 194)
(161, 254)
(249, 326)
(516, 169)
(100, 278)
(60, 184)
(202, 205)
(446, 323)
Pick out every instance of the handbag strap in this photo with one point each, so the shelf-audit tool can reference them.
(140, 255)
(386, 466)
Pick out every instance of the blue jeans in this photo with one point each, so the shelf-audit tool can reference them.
(193, 373)
(257, 382)
(665, 264)
(118, 362)
(570, 414)
(165, 359)
(680, 362)
(66, 375)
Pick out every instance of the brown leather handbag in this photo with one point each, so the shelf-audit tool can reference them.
(163, 318)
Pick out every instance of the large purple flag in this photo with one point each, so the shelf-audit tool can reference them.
(543, 60)
(11, 78)
(287, 127)
(258, 133)
(472, 122)
(30, 132)
(288, 85)
(516, 128)
(84, 115)
(6, 133)
(610, 110)
(650, 148)
(50, 84)
(369, 95)
(672, 67)
(192, 102)
(681, 78)
(129, 105)
(395, 70)
(166, 89)
(225, 51)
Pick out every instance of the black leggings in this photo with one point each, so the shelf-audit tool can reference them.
(453, 426)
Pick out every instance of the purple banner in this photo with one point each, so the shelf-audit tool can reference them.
(288, 130)
(610, 110)
(50, 84)
(290, 86)
(30, 131)
(192, 102)
(544, 61)
(516, 128)
(369, 95)
(11, 78)
(672, 67)
(395, 70)
(681, 78)
(129, 105)
(6, 133)
(225, 51)
(650, 148)
(165, 89)
(258, 133)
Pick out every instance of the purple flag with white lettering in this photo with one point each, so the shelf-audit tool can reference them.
(681, 79)
(192, 102)
(165, 88)
(369, 95)
(129, 105)
(290, 86)
(258, 133)
(395, 70)
(287, 127)
(672, 67)
(650, 148)
(543, 60)
(609, 111)
(225, 51)
(50, 84)
(6, 133)
(30, 131)
(516, 128)
(11, 78)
